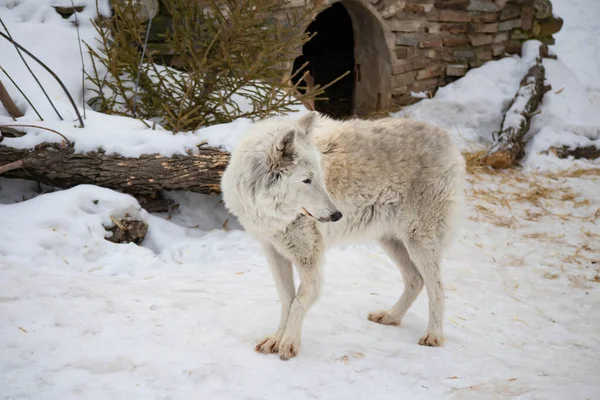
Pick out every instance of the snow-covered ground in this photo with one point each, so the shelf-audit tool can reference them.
(177, 318)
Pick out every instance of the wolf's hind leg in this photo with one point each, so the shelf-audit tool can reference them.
(413, 283)
(426, 256)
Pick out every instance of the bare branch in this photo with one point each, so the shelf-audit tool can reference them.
(137, 81)
(62, 85)
(29, 69)
(37, 127)
(81, 56)
(22, 93)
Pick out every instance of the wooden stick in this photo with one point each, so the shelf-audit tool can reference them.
(9, 104)
(13, 165)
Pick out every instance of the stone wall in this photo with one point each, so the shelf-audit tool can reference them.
(438, 41)
(421, 44)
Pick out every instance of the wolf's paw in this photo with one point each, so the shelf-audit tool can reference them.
(383, 317)
(432, 339)
(268, 345)
(288, 348)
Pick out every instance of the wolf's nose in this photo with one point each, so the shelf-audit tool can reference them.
(336, 216)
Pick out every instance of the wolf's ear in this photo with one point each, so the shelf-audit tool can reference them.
(282, 152)
(307, 123)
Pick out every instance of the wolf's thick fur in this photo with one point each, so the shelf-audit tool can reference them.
(395, 181)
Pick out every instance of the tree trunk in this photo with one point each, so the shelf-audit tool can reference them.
(58, 165)
(509, 146)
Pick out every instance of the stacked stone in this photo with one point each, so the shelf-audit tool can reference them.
(438, 41)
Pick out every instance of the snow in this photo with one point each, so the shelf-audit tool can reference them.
(178, 317)
(577, 42)
(569, 113)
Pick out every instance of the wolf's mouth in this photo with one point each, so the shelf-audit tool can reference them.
(305, 212)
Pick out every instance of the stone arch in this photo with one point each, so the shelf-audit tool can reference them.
(357, 26)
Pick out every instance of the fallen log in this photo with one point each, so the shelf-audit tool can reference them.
(509, 146)
(60, 166)
(586, 152)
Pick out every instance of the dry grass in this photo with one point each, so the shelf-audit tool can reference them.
(543, 191)
(475, 165)
(542, 236)
(518, 188)
(474, 161)
(511, 198)
(492, 216)
(576, 173)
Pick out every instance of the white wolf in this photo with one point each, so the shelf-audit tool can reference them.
(302, 186)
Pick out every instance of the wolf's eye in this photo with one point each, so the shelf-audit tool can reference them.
(307, 181)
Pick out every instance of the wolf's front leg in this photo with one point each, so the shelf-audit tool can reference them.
(308, 260)
(281, 269)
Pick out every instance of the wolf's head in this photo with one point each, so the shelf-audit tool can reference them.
(276, 173)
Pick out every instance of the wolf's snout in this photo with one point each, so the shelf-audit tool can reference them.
(336, 216)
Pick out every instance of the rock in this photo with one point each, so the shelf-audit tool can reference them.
(542, 9)
(389, 11)
(519, 34)
(476, 63)
(418, 8)
(509, 25)
(452, 4)
(501, 37)
(403, 79)
(67, 11)
(431, 41)
(550, 26)
(455, 41)
(454, 16)
(482, 5)
(456, 69)
(454, 27)
(430, 72)
(484, 17)
(401, 52)
(498, 50)
(428, 85)
(404, 26)
(407, 39)
(483, 54)
(486, 28)
(145, 9)
(404, 66)
(463, 55)
(513, 47)
(509, 12)
(481, 40)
